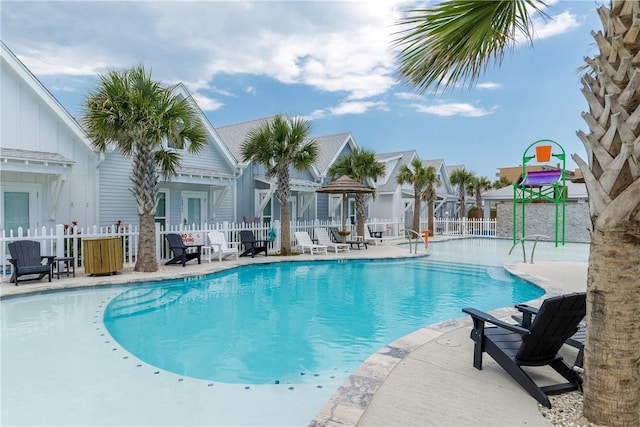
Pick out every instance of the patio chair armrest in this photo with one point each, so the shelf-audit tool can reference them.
(482, 317)
(49, 258)
(13, 261)
(528, 312)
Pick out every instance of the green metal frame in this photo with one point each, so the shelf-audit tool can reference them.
(556, 193)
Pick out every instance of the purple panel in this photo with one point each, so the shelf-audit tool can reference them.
(540, 178)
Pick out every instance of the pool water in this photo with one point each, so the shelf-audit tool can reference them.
(289, 321)
(61, 365)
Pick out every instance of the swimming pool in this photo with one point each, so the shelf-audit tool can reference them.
(64, 367)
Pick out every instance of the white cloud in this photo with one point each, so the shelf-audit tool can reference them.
(250, 89)
(206, 103)
(452, 109)
(356, 107)
(488, 85)
(332, 46)
(407, 95)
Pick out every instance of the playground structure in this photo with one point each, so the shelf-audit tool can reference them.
(545, 185)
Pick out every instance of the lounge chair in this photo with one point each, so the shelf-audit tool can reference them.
(219, 245)
(323, 238)
(576, 340)
(26, 260)
(182, 253)
(375, 237)
(338, 239)
(513, 346)
(251, 245)
(305, 242)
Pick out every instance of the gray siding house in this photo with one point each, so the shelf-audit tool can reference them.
(202, 191)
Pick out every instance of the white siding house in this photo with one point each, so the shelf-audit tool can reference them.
(47, 165)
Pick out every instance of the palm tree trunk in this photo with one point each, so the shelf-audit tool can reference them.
(416, 211)
(145, 187)
(147, 261)
(360, 214)
(612, 353)
(282, 193)
(431, 204)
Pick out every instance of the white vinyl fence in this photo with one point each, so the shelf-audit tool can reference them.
(66, 241)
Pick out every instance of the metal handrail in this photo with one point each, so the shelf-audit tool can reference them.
(418, 236)
(533, 250)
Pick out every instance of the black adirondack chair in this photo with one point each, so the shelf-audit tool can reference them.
(27, 261)
(252, 246)
(337, 238)
(514, 346)
(576, 340)
(181, 252)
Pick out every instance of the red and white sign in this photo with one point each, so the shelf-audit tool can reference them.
(192, 238)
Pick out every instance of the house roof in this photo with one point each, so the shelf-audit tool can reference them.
(398, 159)
(224, 149)
(32, 81)
(234, 135)
(329, 148)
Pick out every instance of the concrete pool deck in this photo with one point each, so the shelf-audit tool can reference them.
(425, 378)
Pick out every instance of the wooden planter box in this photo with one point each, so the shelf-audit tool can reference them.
(102, 255)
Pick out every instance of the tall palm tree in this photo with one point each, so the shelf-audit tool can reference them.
(147, 123)
(281, 144)
(475, 188)
(360, 165)
(454, 42)
(461, 178)
(429, 194)
(418, 176)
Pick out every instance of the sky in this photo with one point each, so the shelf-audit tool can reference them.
(332, 62)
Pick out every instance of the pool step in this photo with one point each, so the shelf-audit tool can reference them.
(141, 301)
(451, 268)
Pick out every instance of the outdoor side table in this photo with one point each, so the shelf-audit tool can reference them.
(69, 266)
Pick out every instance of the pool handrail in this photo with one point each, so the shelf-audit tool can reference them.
(417, 235)
(533, 250)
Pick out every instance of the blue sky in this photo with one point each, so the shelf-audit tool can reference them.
(329, 61)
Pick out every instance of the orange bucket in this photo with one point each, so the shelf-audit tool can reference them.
(543, 153)
(425, 233)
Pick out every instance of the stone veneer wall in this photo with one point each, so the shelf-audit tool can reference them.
(540, 219)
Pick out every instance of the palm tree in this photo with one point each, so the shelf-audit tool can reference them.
(360, 165)
(462, 177)
(418, 176)
(147, 123)
(429, 194)
(475, 188)
(454, 42)
(280, 144)
(500, 183)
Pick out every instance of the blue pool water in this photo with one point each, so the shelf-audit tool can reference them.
(294, 321)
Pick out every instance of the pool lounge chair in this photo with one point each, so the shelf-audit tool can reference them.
(338, 239)
(219, 245)
(513, 346)
(27, 261)
(305, 242)
(323, 238)
(375, 237)
(252, 246)
(182, 253)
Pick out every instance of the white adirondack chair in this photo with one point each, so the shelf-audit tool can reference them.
(305, 242)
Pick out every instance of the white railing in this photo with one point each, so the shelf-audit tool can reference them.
(463, 227)
(66, 241)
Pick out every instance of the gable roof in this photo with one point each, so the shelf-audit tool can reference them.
(234, 135)
(329, 149)
(228, 156)
(9, 58)
(402, 158)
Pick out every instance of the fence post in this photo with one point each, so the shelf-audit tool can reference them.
(60, 241)
(158, 243)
